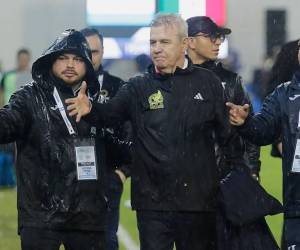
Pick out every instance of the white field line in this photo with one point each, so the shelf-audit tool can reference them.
(126, 240)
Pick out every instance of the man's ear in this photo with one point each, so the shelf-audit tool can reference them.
(185, 43)
(191, 42)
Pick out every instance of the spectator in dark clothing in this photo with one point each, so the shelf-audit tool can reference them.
(285, 65)
(117, 169)
(142, 62)
(60, 180)
(205, 38)
(177, 111)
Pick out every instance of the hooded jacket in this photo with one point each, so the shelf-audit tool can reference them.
(280, 116)
(174, 118)
(49, 194)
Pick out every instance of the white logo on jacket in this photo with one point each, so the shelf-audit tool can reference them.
(54, 108)
(198, 96)
(293, 98)
(292, 247)
(223, 84)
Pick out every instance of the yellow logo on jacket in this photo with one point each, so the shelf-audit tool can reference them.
(156, 100)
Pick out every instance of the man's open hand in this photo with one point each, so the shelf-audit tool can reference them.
(80, 105)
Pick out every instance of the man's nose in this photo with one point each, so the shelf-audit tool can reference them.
(70, 63)
(218, 41)
(157, 48)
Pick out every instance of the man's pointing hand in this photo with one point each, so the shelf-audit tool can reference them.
(80, 105)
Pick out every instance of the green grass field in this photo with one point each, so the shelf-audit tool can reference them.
(270, 179)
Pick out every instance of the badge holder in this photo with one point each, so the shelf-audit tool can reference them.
(86, 161)
(296, 159)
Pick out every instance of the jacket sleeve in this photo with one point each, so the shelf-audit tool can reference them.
(252, 151)
(231, 150)
(116, 110)
(118, 146)
(126, 150)
(265, 127)
(14, 117)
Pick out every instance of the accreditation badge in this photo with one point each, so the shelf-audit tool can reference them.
(86, 162)
(296, 161)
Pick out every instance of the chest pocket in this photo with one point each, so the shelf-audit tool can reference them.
(201, 111)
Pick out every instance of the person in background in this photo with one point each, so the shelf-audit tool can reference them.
(10, 82)
(14, 79)
(60, 168)
(117, 161)
(285, 65)
(205, 38)
(142, 62)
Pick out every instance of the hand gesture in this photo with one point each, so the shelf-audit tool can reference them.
(238, 113)
(80, 105)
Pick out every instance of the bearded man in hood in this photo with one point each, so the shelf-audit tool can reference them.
(60, 180)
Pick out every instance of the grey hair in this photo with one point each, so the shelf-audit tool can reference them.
(171, 19)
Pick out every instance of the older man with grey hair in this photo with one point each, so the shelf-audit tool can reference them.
(177, 110)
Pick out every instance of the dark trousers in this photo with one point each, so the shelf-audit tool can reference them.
(114, 193)
(292, 233)
(159, 230)
(44, 239)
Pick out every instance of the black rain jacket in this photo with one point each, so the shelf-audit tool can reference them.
(279, 116)
(117, 138)
(174, 119)
(49, 194)
(234, 92)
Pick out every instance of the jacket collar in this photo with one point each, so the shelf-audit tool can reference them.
(211, 65)
(100, 71)
(178, 71)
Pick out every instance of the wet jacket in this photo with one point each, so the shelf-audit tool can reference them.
(279, 116)
(174, 118)
(117, 141)
(49, 194)
(234, 92)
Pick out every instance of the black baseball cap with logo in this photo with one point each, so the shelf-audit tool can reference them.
(205, 25)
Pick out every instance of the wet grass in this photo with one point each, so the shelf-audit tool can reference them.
(271, 179)
(8, 220)
(9, 240)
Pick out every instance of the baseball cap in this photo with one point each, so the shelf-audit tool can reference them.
(205, 25)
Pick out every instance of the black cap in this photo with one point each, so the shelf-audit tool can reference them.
(204, 25)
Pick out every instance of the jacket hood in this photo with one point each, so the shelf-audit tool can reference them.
(69, 41)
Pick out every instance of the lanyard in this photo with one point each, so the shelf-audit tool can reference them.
(100, 80)
(62, 111)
